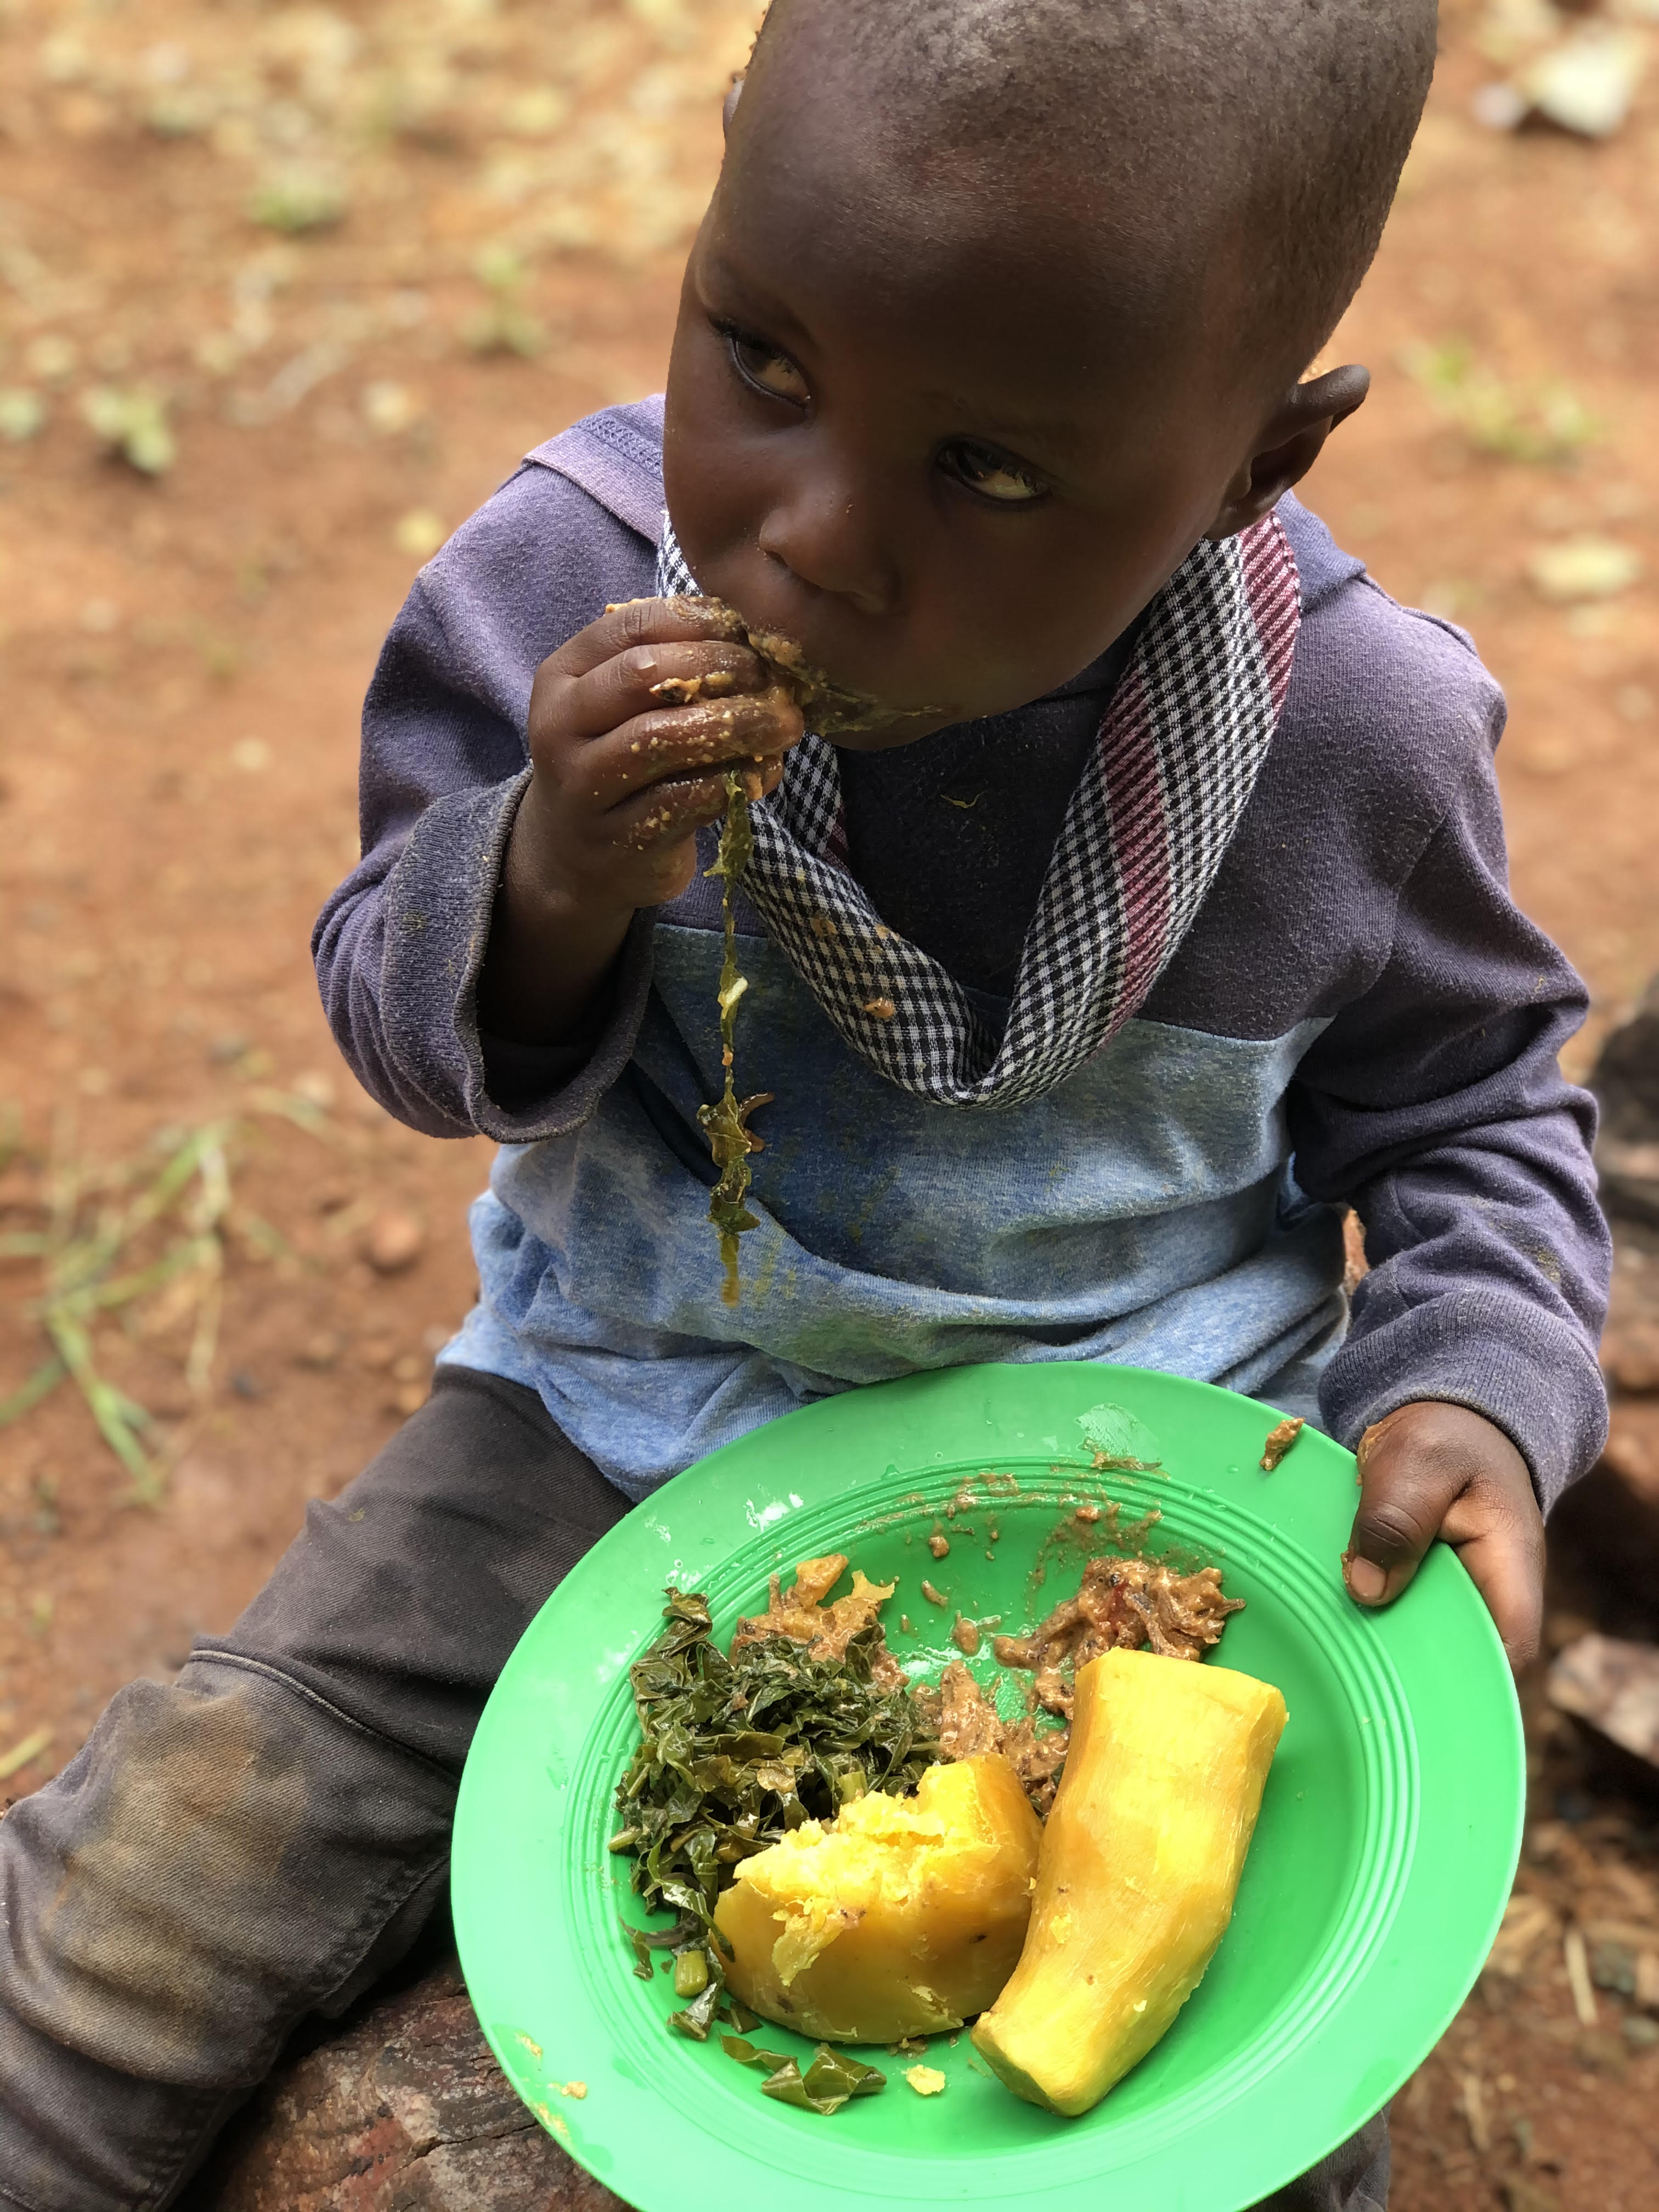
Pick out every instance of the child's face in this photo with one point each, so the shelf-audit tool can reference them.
(950, 425)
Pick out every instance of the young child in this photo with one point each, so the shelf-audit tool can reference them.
(1158, 912)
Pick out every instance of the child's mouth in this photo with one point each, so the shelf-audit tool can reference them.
(828, 708)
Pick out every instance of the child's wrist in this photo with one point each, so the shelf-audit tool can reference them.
(552, 945)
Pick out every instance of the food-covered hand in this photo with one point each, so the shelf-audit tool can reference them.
(1431, 1469)
(632, 725)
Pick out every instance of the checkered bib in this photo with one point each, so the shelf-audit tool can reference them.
(1178, 754)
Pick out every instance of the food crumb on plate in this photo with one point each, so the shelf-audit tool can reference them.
(933, 1596)
(1279, 1440)
(925, 2080)
(577, 2089)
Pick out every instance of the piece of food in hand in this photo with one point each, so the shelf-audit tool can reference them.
(1139, 1867)
(903, 1916)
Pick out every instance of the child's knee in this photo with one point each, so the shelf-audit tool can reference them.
(219, 1858)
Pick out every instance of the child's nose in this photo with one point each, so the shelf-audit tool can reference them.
(829, 534)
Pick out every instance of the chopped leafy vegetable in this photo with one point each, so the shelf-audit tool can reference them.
(696, 2018)
(733, 1753)
(835, 2071)
(641, 1943)
(750, 2054)
(828, 2083)
(828, 708)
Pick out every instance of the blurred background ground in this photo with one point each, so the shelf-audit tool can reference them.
(284, 292)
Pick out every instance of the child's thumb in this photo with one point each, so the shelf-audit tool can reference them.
(1431, 1469)
(1403, 1496)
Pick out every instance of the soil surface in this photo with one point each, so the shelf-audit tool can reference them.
(284, 292)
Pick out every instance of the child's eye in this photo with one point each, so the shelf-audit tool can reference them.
(991, 474)
(764, 367)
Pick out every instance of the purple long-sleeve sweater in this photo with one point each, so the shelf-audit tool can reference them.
(1359, 1015)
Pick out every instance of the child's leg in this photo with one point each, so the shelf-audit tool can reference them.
(265, 1837)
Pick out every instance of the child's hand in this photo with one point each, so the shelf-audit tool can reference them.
(624, 774)
(1431, 1469)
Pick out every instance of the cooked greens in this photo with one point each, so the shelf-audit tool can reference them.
(828, 708)
(726, 1123)
(734, 1751)
(825, 2086)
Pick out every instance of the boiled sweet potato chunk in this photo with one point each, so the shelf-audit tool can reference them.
(903, 1916)
(1139, 1866)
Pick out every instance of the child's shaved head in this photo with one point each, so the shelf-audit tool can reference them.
(1279, 124)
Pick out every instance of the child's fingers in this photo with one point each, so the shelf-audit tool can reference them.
(1403, 1496)
(646, 678)
(1504, 1551)
(682, 746)
(1429, 1470)
(667, 813)
(644, 622)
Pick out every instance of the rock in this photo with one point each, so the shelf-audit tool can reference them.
(1626, 1082)
(1586, 84)
(1631, 1454)
(395, 1241)
(1614, 1687)
(1630, 1353)
(1630, 1179)
(1604, 1536)
(402, 2110)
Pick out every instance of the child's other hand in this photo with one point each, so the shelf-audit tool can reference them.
(632, 725)
(1431, 1469)
(626, 775)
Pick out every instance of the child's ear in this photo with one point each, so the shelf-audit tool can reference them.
(1289, 444)
(730, 107)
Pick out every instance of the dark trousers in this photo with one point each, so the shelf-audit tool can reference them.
(262, 1840)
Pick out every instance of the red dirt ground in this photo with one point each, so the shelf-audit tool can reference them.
(184, 654)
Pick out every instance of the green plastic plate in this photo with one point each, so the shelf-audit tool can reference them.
(1386, 1843)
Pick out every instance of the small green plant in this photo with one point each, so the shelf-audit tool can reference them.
(89, 1270)
(144, 1239)
(504, 323)
(132, 423)
(1540, 423)
(22, 414)
(297, 200)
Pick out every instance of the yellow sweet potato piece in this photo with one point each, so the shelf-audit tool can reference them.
(1139, 1866)
(903, 1916)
